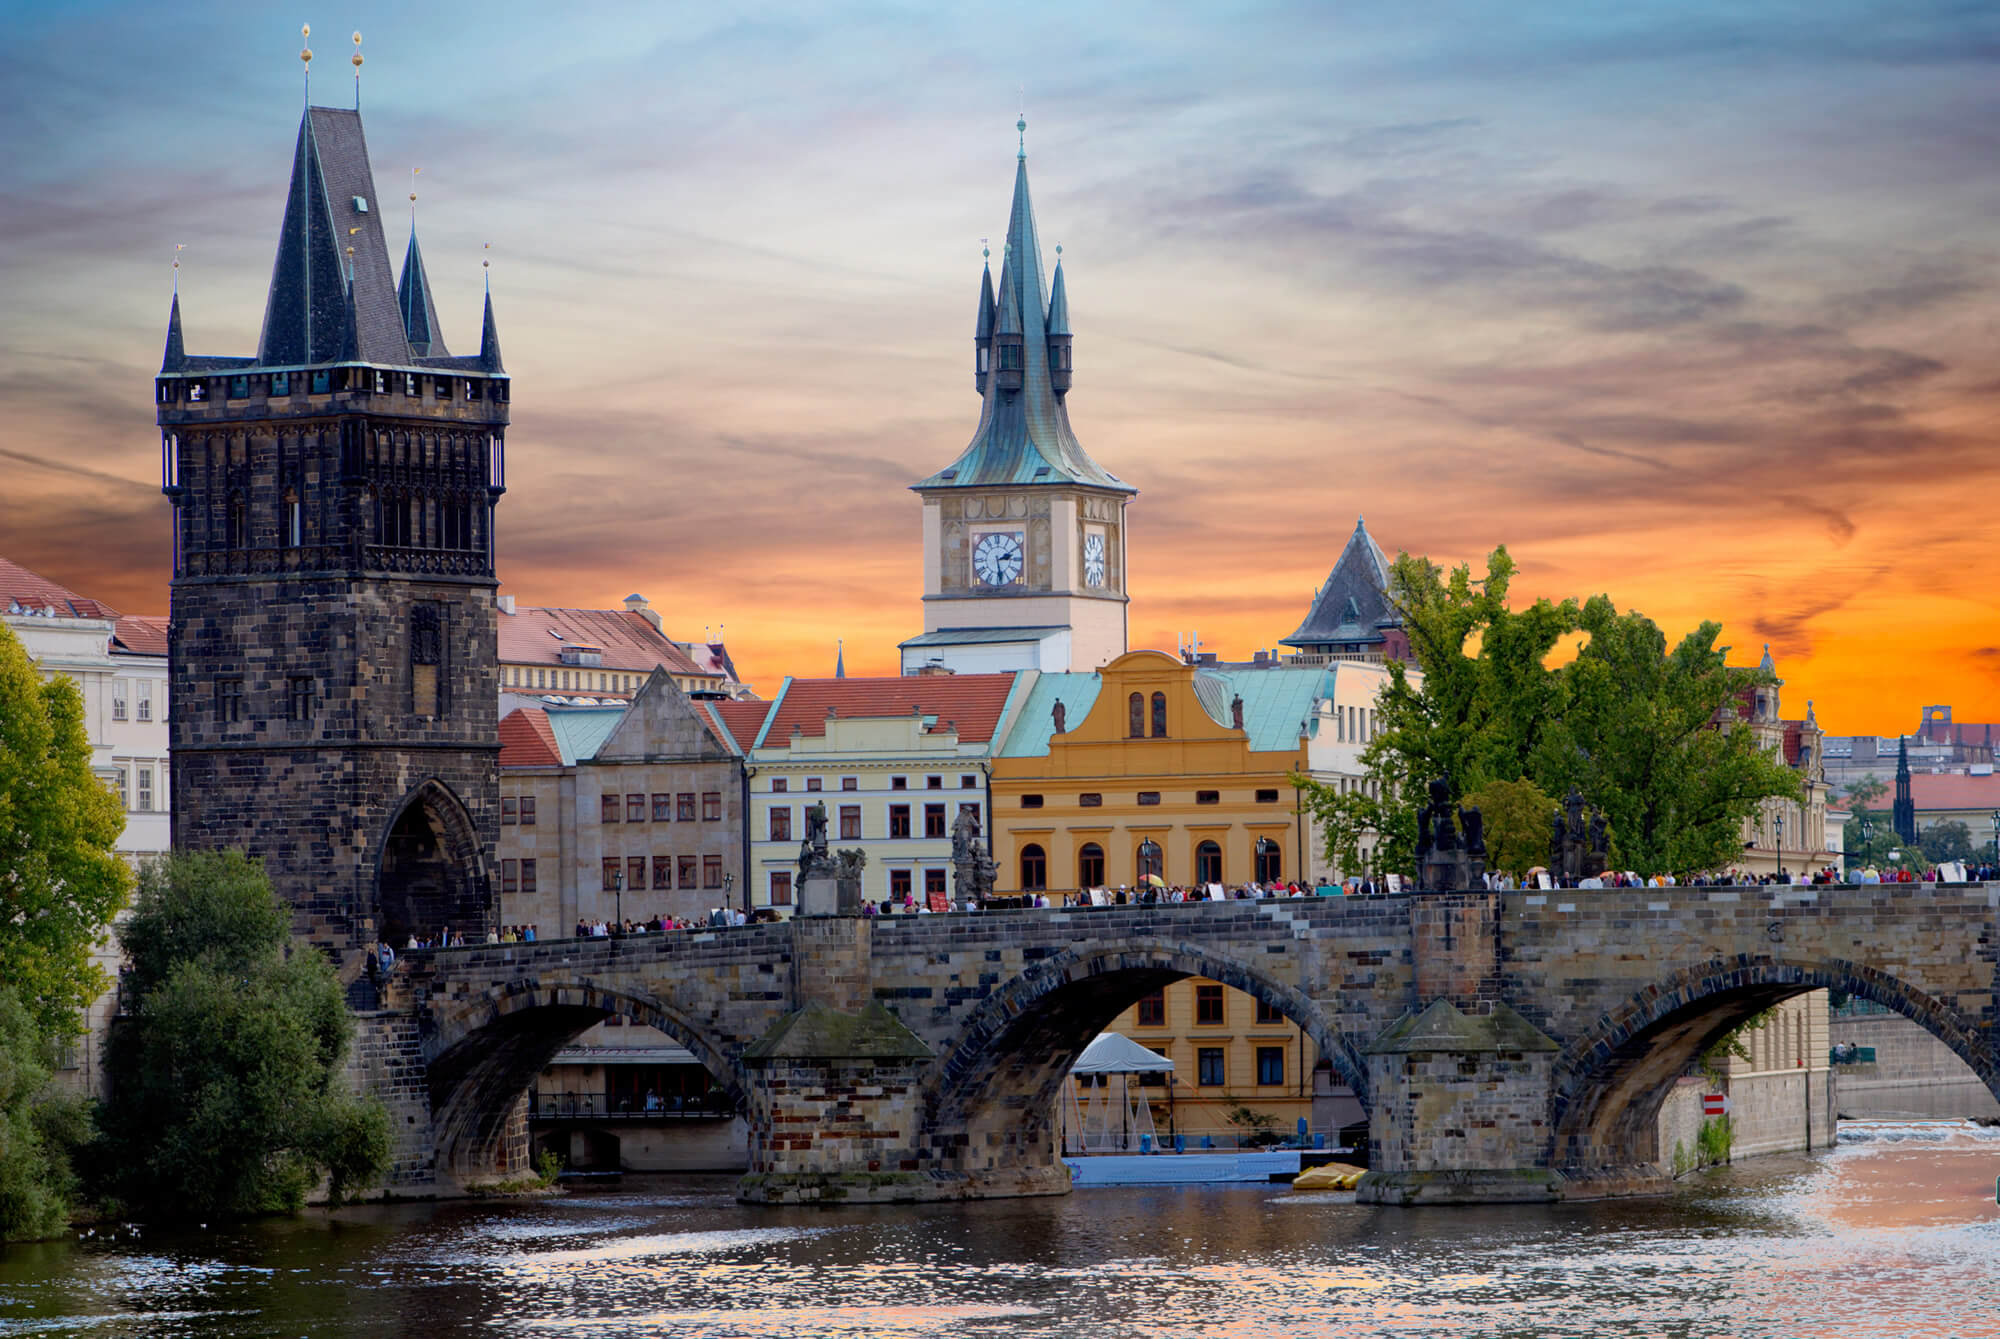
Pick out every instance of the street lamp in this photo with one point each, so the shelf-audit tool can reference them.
(618, 888)
(1779, 819)
(729, 882)
(1996, 836)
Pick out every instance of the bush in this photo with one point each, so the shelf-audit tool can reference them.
(37, 1130)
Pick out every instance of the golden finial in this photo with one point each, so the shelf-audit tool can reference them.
(486, 264)
(178, 248)
(306, 58)
(357, 71)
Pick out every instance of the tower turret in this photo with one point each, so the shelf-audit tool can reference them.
(413, 296)
(1058, 324)
(982, 335)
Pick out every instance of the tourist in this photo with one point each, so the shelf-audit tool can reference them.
(530, 937)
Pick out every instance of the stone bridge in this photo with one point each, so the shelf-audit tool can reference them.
(1506, 1045)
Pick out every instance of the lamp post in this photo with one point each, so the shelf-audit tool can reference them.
(1779, 820)
(729, 883)
(618, 889)
(1996, 836)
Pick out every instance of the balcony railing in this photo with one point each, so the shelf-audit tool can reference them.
(624, 1107)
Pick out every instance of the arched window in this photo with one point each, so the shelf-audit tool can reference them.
(238, 524)
(1034, 868)
(1270, 861)
(1151, 859)
(294, 519)
(1135, 708)
(1159, 715)
(1208, 863)
(1090, 866)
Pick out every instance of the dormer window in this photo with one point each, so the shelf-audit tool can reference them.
(361, 204)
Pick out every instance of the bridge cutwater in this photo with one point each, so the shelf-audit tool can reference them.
(1508, 1046)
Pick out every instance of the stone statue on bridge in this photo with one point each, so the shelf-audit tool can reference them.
(1580, 847)
(818, 879)
(847, 880)
(973, 870)
(1446, 861)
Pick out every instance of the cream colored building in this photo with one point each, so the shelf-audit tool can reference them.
(1787, 835)
(894, 761)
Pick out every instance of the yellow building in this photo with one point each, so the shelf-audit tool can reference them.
(1231, 1050)
(1152, 766)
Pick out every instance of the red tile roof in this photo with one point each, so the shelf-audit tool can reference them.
(972, 701)
(1973, 733)
(34, 591)
(1952, 792)
(527, 741)
(139, 635)
(627, 640)
(742, 719)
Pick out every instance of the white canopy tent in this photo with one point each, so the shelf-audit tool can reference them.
(1096, 1121)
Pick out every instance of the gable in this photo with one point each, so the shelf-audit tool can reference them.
(661, 722)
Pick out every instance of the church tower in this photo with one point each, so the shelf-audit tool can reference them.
(1024, 534)
(332, 640)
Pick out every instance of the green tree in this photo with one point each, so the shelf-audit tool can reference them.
(60, 881)
(1949, 840)
(1516, 818)
(228, 1093)
(1640, 738)
(37, 1127)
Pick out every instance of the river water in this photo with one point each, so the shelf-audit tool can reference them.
(1894, 1233)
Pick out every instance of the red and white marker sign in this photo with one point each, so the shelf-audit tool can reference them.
(1714, 1104)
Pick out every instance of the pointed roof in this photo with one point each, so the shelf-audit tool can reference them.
(1024, 436)
(331, 206)
(489, 340)
(413, 298)
(984, 327)
(1353, 606)
(1059, 303)
(1767, 665)
(840, 660)
(175, 357)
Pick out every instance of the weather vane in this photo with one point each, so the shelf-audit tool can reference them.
(357, 71)
(178, 248)
(413, 196)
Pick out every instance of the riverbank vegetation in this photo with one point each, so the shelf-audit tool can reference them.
(1627, 721)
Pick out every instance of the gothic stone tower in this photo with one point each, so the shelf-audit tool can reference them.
(332, 643)
(1024, 534)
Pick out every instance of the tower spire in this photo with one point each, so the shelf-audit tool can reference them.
(982, 333)
(413, 294)
(489, 333)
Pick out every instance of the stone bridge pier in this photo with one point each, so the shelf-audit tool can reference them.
(1507, 1046)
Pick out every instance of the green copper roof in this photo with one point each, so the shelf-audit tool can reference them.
(1277, 703)
(1024, 436)
(1029, 738)
(581, 731)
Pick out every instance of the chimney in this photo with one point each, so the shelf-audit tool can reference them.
(638, 604)
(506, 603)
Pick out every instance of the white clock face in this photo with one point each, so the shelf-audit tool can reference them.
(997, 559)
(1093, 559)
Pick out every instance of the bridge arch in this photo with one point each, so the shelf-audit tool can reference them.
(1612, 1080)
(430, 868)
(483, 1055)
(994, 1092)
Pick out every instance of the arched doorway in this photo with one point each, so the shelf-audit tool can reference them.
(1034, 868)
(1270, 861)
(1152, 861)
(1208, 863)
(431, 875)
(1090, 866)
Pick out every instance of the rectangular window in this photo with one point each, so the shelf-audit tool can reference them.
(118, 700)
(635, 873)
(607, 809)
(899, 884)
(663, 808)
(1090, 799)
(850, 822)
(968, 782)
(1149, 797)
(527, 811)
(1208, 797)
(781, 888)
(684, 806)
(510, 876)
(780, 785)
(120, 784)
(1209, 1070)
(1153, 1010)
(1154, 1079)
(229, 701)
(610, 873)
(1031, 801)
(300, 698)
(527, 876)
(1208, 1006)
(711, 871)
(812, 783)
(933, 882)
(145, 700)
(1270, 1066)
(850, 783)
(711, 806)
(899, 783)
(1267, 797)
(933, 783)
(663, 873)
(899, 820)
(688, 871)
(1267, 1014)
(509, 811)
(781, 824)
(635, 808)
(145, 789)
(934, 820)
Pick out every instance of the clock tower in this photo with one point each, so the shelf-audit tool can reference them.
(1024, 534)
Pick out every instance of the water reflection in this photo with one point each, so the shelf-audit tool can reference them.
(1891, 1234)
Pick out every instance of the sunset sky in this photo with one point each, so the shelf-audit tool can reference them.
(1690, 304)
